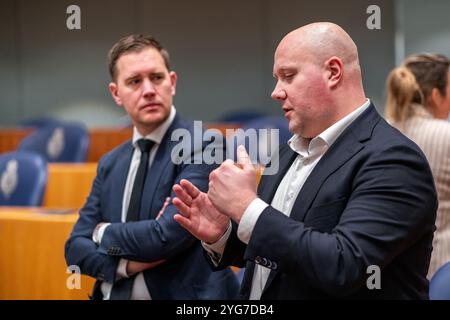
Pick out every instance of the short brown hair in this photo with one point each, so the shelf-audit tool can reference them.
(430, 70)
(133, 43)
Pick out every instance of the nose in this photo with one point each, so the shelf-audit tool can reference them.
(278, 93)
(148, 88)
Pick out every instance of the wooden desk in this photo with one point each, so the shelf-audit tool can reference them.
(32, 264)
(68, 184)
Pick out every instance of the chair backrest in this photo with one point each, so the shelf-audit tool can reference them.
(267, 139)
(23, 178)
(63, 142)
(440, 283)
(279, 123)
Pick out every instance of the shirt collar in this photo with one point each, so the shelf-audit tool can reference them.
(319, 144)
(157, 134)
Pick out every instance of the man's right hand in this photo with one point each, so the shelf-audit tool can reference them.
(197, 214)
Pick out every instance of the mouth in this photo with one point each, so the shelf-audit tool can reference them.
(150, 106)
(287, 111)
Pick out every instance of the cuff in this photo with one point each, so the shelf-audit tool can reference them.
(215, 250)
(122, 269)
(98, 233)
(249, 218)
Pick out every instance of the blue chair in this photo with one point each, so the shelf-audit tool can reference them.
(270, 122)
(64, 142)
(440, 283)
(267, 141)
(23, 177)
(240, 275)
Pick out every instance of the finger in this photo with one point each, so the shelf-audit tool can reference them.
(190, 188)
(182, 207)
(182, 194)
(183, 221)
(243, 158)
(166, 203)
(228, 162)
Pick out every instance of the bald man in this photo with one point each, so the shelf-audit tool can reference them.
(351, 212)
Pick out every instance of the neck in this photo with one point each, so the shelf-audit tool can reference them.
(437, 113)
(145, 131)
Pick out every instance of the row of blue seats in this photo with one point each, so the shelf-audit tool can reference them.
(23, 173)
(59, 141)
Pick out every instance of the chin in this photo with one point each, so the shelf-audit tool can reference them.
(155, 118)
(293, 128)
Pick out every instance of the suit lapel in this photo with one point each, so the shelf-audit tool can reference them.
(269, 184)
(122, 167)
(349, 143)
(334, 158)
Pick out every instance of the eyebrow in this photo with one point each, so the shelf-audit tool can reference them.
(134, 76)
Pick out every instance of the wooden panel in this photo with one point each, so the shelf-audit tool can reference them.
(69, 184)
(32, 260)
(102, 141)
(10, 138)
(226, 129)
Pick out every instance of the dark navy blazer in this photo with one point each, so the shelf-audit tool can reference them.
(370, 200)
(186, 273)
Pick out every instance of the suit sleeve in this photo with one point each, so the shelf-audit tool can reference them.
(152, 240)
(392, 205)
(80, 250)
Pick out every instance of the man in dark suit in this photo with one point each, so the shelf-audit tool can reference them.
(351, 211)
(119, 238)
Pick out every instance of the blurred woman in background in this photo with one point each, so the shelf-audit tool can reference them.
(418, 104)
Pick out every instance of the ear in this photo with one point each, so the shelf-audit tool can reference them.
(173, 81)
(114, 93)
(435, 98)
(335, 70)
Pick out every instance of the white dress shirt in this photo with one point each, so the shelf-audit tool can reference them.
(309, 154)
(140, 290)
